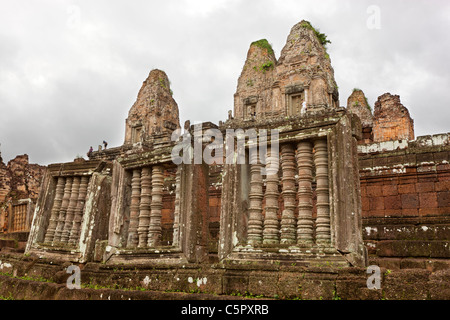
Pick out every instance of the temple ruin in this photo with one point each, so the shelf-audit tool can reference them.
(334, 190)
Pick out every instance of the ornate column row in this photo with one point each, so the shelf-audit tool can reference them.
(292, 230)
(78, 215)
(63, 210)
(55, 210)
(67, 211)
(67, 227)
(145, 228)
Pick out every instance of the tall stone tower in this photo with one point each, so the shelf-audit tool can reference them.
(155, 110)
(392, 120)
(304, 72)
(357, 104)
(253, 98)
(302, 80)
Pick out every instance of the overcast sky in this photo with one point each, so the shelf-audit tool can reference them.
(71, 70)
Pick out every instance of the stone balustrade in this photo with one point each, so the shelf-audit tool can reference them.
(67, 211)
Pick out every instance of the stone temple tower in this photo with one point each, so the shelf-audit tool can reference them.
(304, 72)
(302, 80)
(253, 98)
(154, 112)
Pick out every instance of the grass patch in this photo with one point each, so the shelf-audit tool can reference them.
(264, 44)
(322, 37)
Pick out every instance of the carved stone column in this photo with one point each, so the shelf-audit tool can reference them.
(133, 238)
(63, 210)
(288, 167)
(305, 220)
(144, 206)
(155, 230)
(71, 210)
(78, 216)
(270, 233)
(323, 231)
(177, 211)
(255, 220)
(59, 193)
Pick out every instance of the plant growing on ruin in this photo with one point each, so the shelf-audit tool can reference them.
(10, 297)
(161, 82)
(322, 37)
(264, 44)
(265, 66)
(365, 98)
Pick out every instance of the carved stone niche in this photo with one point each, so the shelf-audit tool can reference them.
(295, 96)
(72, 211)
(250, 105)
(136, 133)
(312, 211)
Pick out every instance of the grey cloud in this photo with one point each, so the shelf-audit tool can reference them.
(68, 77)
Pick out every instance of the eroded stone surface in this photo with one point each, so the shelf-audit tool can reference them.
(301, 80)
(392, 120)
(19, 179)
(357, 104)
(305, 62)
(155, 110)
(253, 98)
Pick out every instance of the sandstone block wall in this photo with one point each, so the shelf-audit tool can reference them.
(405, 191)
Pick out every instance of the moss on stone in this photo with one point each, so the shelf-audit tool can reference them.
(264, 44)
